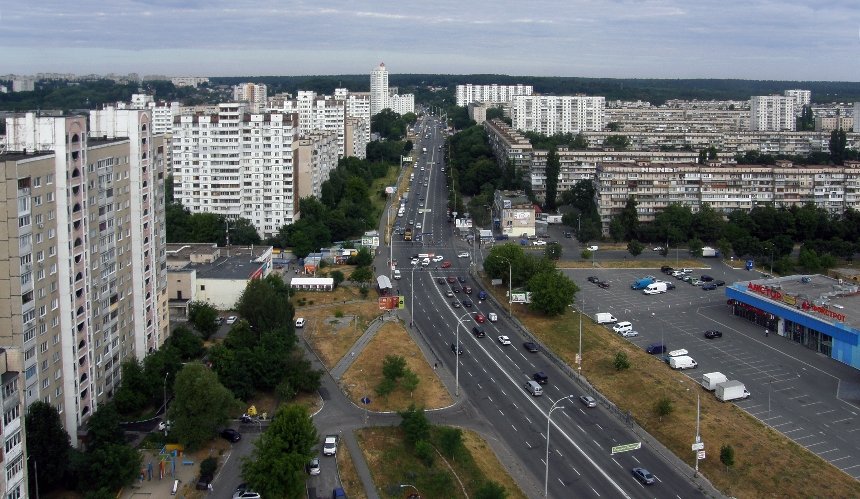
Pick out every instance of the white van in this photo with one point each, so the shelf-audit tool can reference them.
(682, 362)
(622, 327)
(604, 318)
(534, 388)
(655, 288)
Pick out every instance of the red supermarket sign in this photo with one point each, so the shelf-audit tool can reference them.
(774, 294)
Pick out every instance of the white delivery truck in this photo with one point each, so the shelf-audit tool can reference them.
(731, 390)
(682, 362)
(711, 380)
(655, 288)
(604, 318)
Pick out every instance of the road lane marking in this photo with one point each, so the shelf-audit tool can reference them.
(514, 427)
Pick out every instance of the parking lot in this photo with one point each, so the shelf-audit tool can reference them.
(808, 397)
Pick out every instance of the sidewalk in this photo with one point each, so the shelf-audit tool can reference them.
(359, 345)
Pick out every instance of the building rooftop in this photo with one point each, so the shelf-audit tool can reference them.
(819, 296)
(214, 262)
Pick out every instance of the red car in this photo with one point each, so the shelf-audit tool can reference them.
(480, 318)
(446, 264)
(452, 279)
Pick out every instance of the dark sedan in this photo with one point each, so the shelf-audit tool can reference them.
(603, 284)
(706, 278)
(531, 347)
(711, 334)
(720, 283)
(709, 286)
(593, 279)
(231, 435)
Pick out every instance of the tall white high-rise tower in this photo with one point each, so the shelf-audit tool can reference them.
(378, 89)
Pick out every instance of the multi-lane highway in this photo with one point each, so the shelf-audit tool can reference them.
(493, 375)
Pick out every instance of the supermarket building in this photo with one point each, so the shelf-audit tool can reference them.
(819, 312)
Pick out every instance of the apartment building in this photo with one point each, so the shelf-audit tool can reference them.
(402, 103)
(13, 483)
(470, 93)
(830, 123)
(84, 238)
(356, 136)
(255, 94)
(726, 187)
(189, 81)
(856, 117)
(316, 157)
(800, 97)
(552, 114)
(378, 89)
(509, 145)
(772, 113)
(677, 119)
(238, 164)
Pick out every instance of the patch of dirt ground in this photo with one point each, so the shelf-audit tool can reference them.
(349, 479)
(333, 329)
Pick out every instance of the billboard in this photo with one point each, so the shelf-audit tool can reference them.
(521, 297)
(391, 302)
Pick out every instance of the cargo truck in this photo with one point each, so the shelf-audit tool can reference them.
(731, 390)
(707, 251)
(643, 282)
(711, 380)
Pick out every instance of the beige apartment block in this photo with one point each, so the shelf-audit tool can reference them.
(83, 275)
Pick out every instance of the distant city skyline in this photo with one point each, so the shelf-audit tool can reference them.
(764, 40)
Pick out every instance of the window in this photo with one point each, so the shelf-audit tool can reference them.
(29, 334)
(11, 415)
(50, 198)
(13, 441)
(49, 179)
(30, 372)
(37, 182)
(15, 494)
(15, 468)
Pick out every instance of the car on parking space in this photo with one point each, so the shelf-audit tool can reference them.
(446, 264)
(666, 270)
(467, 303)
(603, 284)
(232, 319)
(438, 258)
(593, 279)
(300, 322)
(686, 278)
(467, 290)
(440, 280)
(480, 319)
(463, 254)
(338, 493)
(592, 248)
(231, 435)
(449, 293)
(657, 248)
(709, 286)
(452, 279)
(718, 282)
(219, 321)
(455, 304)
(629, 334)
(706, 278)
(456, 289)
(530, 346)
(677, 274)
(539, 242)
(686, 270)
(504, 340)
(414, 261)
(246, 494)
(454, 348)
(644, 476)
(713, 333)
(313, 466)
(461, 278)
(696, 282)
(588, 401)
(669, 285)
(204, 481)
(568, 235)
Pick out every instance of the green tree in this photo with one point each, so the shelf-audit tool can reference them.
(618, 142)
(490, 490)
(338, 277)
(103, 427)
(108, 467)
(579, 143)
(410, 381)
(188, 345)
(48, 446)
(624, 225)
(393, 367)
(838, 143)
(362, 259)
(553, 167)
(696, 245)
(361, 275)
(635, 248)
(585, 254)
(276, 466)
(450, 440)
(202, 316)
(621, 361)
(613, 126)
(202, 405)
(727, 456)
(425, 453)
(552, 251)
(414, 424)
(265, 304)
(134, 392)
(663, 407)
(385, 387)
(551, 291)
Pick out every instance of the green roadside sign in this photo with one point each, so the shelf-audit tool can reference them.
(626, 447)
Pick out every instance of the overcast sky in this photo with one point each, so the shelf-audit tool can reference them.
(751, 39)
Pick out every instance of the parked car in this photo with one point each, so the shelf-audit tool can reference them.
(232, 319)
(568, 235)
(712, 333)
(696, 282)
(588, 401)
(300, 322)
(666, 270)
(593, 279)
(657, 248)
(592, 248)
(313, 466)
(455, 304)
(644, 476)
(461, 278)
(706, 278)
(709, 286)
(231, 435)
(446, 264)
(603, 284)
(452, 279)
(539, 242)
(504, 340)
(440, 280)
(720, 283)
(204, 481)
(530, 346)
(629, 334)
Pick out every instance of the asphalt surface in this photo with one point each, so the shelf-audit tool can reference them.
(811, 399)
(492, 375)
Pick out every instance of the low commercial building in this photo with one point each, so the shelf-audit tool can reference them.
(513, 213)
(215, 275)
(819, 312)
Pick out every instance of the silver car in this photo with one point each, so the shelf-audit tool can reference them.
(588, 401)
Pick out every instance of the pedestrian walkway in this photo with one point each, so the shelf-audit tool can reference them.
(360, 464)
(347, 360)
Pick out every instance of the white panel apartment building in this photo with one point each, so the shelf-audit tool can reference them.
(84, 240)
(238, 165)
(772, 113)
(402, 104)
(378, 89)
(469, 93)
(801, 98)
(552, 114)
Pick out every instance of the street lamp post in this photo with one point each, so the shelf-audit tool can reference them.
(412, 297)
(510, 287)
(165, 397)
(457, 355)
(579, 364)
(548, 416)
(404, 485)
